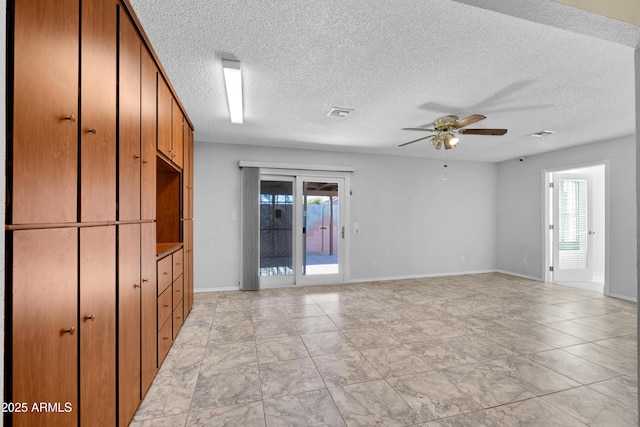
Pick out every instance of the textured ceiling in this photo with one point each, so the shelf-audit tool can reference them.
(526, 65)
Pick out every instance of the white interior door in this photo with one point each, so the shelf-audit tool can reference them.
(572, 228)
(320, 238)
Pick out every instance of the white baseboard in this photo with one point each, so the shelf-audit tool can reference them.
(624, 297)
(524, 276)
(419, 276)
(227, 288)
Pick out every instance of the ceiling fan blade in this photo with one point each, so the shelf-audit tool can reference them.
(416, 140)
(428, 130)
(482, 131)
(467, 121)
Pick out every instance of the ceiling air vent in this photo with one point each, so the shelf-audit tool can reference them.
(339, 112)
(543, 133)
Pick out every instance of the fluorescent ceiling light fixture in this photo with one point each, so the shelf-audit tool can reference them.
(233, 83)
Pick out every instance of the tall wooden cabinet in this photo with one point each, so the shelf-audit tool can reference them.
(94, 138)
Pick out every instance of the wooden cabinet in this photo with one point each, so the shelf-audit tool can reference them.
(98, 111)
(44, 338)
(96, 142)
(170, 299)
(97, 316)
(130, 149)
(149, 325)
(129, 333)
(45, 113)
(165, 105)
(148, 96)
(176, 135)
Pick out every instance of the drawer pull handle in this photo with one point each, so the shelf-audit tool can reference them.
(92, 130)
(92, 317)
(166, 306)
(69, 118)
(70, 331)
(166, 338)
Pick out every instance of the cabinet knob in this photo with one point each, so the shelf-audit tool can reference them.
(166, 306)
(166, 338)
(135, 156)
(69, 118)
(145, 280)
(91, 130)
(136, 285)
(92, 317)
(145, 161)
(165, 273)
(70, 331)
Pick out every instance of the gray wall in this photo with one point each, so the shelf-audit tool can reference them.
(520, 210)
(412, 222)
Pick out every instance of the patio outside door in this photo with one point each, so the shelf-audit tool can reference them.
(302, 236)
(322, 232)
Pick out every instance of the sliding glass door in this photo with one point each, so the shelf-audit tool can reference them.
(302, 236)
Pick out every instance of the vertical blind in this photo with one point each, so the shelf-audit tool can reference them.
(250, 281)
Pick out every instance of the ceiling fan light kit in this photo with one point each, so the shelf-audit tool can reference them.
(446, 128)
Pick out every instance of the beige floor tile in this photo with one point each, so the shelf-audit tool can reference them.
(394, 361)
(470, 419)
(533, 413)
(314, 408)
(488, 387)
(280, 348)
(573, 367)
(373, 403)
(345, 368)
(507, 351)
(327, 343)
(289, 377)
(226, 387)
(246, 415)
(623, 389)
(433, 395)
(594, 409)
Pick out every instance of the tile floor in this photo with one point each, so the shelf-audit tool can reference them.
(473, 350)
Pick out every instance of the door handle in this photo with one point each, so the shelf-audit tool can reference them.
(591, 233)
(343, 231)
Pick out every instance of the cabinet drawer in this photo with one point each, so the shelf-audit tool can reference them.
(178, 320)
(164, 274)
(164, 307)
(165, 339)
(177, 291)
(177, 264)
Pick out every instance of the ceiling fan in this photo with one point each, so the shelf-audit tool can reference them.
(446, 128)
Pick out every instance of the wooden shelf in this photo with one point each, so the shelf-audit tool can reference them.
(163, 248)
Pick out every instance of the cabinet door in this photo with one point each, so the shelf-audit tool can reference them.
(45, 111)
(149, 306)
(165, 100)
(176, 141)
(129, 374)
(98, 104)
(129, 121)
(44, 315)
(98, 326)
(148, 98)
(186, 173)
